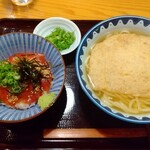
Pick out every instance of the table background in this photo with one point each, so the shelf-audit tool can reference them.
(76, 9)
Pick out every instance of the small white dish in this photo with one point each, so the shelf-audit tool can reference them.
(45, 27)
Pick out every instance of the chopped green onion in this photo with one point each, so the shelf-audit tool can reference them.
(9, 77)
(61, 38)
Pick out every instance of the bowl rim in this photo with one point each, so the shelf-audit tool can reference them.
(63, 20)
(61, 89)
(90, 97)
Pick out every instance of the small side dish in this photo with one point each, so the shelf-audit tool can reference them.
(63, 33)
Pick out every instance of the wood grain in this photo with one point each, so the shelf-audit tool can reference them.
(76, 9)
(95, 133)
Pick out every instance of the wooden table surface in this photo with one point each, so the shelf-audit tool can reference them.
(75, 9)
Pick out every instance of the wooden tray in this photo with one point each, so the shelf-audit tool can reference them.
(73, 121)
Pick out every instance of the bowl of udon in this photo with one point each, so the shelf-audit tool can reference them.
(112, 65)
(32, 75)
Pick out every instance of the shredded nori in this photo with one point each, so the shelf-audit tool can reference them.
(31, 71)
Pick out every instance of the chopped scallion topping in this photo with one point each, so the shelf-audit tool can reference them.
(9, 77)
(61, 38)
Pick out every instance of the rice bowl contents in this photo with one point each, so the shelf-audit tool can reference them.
(24, 78)
(118, 72)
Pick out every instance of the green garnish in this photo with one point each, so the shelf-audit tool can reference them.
(46, 100)
(9, 77)
(61, 38)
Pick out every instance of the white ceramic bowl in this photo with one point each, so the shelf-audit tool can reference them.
(131, 23)
(46, 26)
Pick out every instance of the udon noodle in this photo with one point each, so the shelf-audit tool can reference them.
(118, 71)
